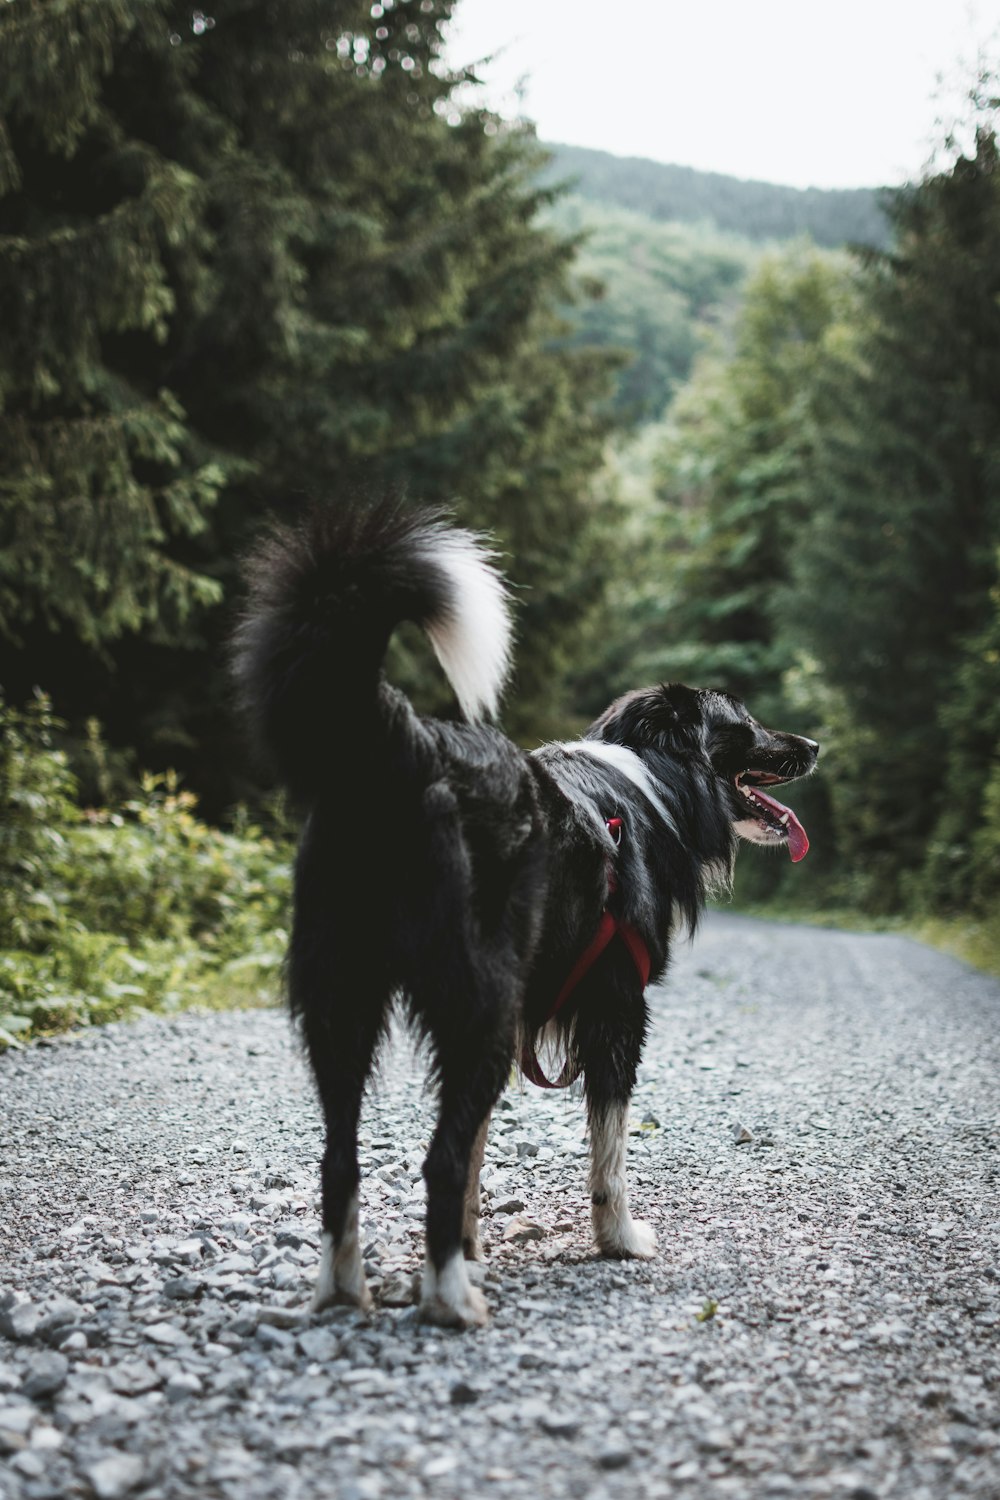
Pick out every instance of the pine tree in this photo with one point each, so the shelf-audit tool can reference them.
(99, 472)
(731, 478)
(318, 273)
(895, 569)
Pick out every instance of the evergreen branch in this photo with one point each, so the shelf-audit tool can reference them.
(56, 53)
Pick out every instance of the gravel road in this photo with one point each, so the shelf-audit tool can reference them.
(815, 1140)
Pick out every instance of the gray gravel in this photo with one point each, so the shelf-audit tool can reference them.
(815, 1140)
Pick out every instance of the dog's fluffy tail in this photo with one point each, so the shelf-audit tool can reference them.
(324, 599)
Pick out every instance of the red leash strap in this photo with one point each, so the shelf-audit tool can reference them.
(609, 925)
(530, 1066)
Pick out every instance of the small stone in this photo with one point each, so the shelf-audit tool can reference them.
(273, 1338)
(31, 1465)
(714, 1440)
(288, 1238)
(240, 1265)
(46, 1438)
(559, 1424)
(188, 1251)
(282, 1317)
(46, 1375)
(19, 1319)
(275, 1181)
(967, 1438)
(182, 1288)
(437, 1468)
(56, 1314)
(116, 1475)
(17, 1419)
(166, 1334)
(232, 1379)
(319, 1344)
(463, 1393)
(243, 1328)
(237, 1225)
(182, 1385)
(614, 1455)
(397, 1291)
(133, 1378)
(509, 1206)
(742, 1134)
(519, 1231)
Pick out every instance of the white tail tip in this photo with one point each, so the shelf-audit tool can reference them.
(472, 636)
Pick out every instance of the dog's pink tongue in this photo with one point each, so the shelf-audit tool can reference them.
(798, 841)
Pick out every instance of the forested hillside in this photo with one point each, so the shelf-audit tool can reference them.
(755, 210)
(665, 290)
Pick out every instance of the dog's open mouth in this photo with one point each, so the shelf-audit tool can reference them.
(776, 821)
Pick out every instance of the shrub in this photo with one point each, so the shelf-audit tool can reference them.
(105, 910)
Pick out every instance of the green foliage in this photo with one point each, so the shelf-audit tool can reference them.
(666, 287)
(963, 857)
(101, 480)
(248, 260)
(36, 811)
(832, 499)
(140, 905)
(753, 210)
(890, 592)
(731, 476)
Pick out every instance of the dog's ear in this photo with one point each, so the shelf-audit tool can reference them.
(667, 717)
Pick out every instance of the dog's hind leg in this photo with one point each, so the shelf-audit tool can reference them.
(467, 1097)
(340, 995)
(340, 1065)
(468, 1000)
(610, 1033)
(471, 1026)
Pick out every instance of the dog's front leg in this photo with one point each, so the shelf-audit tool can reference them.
(616, 1232)
(610, 1030)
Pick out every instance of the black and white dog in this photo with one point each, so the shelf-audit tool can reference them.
(490, 892)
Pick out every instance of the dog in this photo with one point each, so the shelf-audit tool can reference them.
(491, 893)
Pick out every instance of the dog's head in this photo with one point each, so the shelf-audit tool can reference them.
(718, 732)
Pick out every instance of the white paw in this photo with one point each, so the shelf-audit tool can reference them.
(640, 1240)
(341, 1280)
(626, 1239)
(449, 1300)
(341, 1296)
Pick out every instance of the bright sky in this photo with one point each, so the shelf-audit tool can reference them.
(837, 94)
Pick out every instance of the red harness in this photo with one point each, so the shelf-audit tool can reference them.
(608, 927)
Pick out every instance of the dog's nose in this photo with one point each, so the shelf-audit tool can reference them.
(811, 744)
